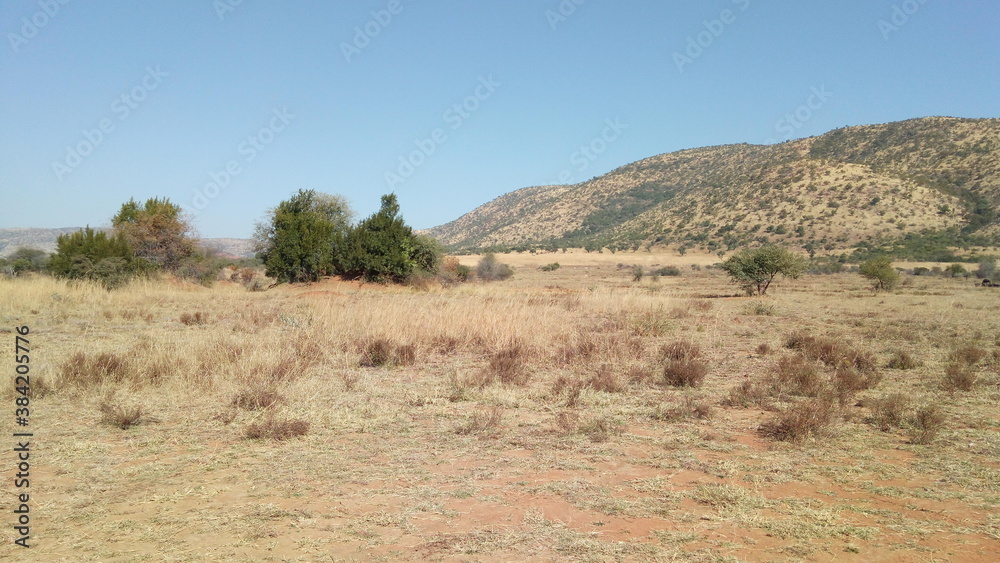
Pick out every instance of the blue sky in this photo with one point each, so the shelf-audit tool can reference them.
(227, 107)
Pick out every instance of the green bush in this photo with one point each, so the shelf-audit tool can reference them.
(755, 270)
(382, 248)
(550, 267)
(880, 272)
(956, 270)
(297, 239)
(92, 255)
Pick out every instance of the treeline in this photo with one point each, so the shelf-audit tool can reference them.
(303, 239)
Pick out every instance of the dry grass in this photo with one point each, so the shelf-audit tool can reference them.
(545, 394)
(121, 415)
(959, 377)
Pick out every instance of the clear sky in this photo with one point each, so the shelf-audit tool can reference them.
(229, 106)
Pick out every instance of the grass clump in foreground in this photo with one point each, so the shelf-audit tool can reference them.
(120, 415)
(273, 428)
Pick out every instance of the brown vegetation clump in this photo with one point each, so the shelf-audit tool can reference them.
(803, 420)
(81, 370)
(926, 424)
(958, 377)
(684, 373)
(197, 318)
(968, 355)
(799, 376)
(488, 422)
(764, 349)
(119, 415)
(571, 387)
(902, 360)
(273, 428)
(889, 412)
(829, 351)
(680, 350)
(508, 366)
(690, 407)
(257, 398)
(379, 352)
(751, 394)
(600, 429)
(606, 380)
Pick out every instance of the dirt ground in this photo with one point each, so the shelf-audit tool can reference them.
(529, 419)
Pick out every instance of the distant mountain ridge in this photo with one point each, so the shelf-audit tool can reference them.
(856, 184)
(45, 239)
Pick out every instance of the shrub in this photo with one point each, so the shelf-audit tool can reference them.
(483, 422)
(680, 350)
(763, 349)
(637, 273)
(507, 365)
(901, 360)
(453, 271)
(571, 387)
(889, 411)
(382, 248)
(684, 373)
(196, 318)
(257, 398)
(751, 394)
(119, 415)
(956, 270)
(668, 271)
(156, 232)
(802, 420)
(958, 377)
(81, 370)
(606, 380)
(600, 429)
(880, 272)
(968, 355)
(92, 255)
(273, 428)
(926, 424)
(755, 270)
(798, 375)
(490, 269)
(987, 268)
(690, 407)
(550, 267)
(760, 308)
(297, 239)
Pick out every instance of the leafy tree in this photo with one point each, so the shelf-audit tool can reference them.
(880, 271)
(383, 248)
(298, 239)
(987, 268)
(92, 255)
(26, 260)
(754, 270)
(956, 270)
(156, 231)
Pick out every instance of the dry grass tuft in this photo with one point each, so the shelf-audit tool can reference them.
(751, 394)
(257, 398)
(571, 387)
(197, 318)
(803, 420)
(379, 352)
(829, 351)
(273, 428)
(689, 407)
(798, 375)
(81, 370)
(959, 377)
(508, 365)
(605, 379)
(926, 424)
(485, 422)
(889, 412)
(600, 429)
(119, 415)
(680, 350)
(764, 349)
(684, 373)
(968, 355)
(902, 360)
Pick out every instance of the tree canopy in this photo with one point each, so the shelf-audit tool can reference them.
(755, 269)
(156, 232)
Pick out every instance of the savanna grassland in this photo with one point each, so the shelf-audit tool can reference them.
(573, 414)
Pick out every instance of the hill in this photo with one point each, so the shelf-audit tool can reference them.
(866, 185)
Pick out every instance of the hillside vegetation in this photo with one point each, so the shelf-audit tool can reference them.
(928, 179)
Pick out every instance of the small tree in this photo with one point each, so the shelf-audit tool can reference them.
(987, 268)
(156, 231)
(298, 239)
(27, 260)
(92, 255)
(880, 271)
(755, 270)
(491, 269)
(383, 248)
